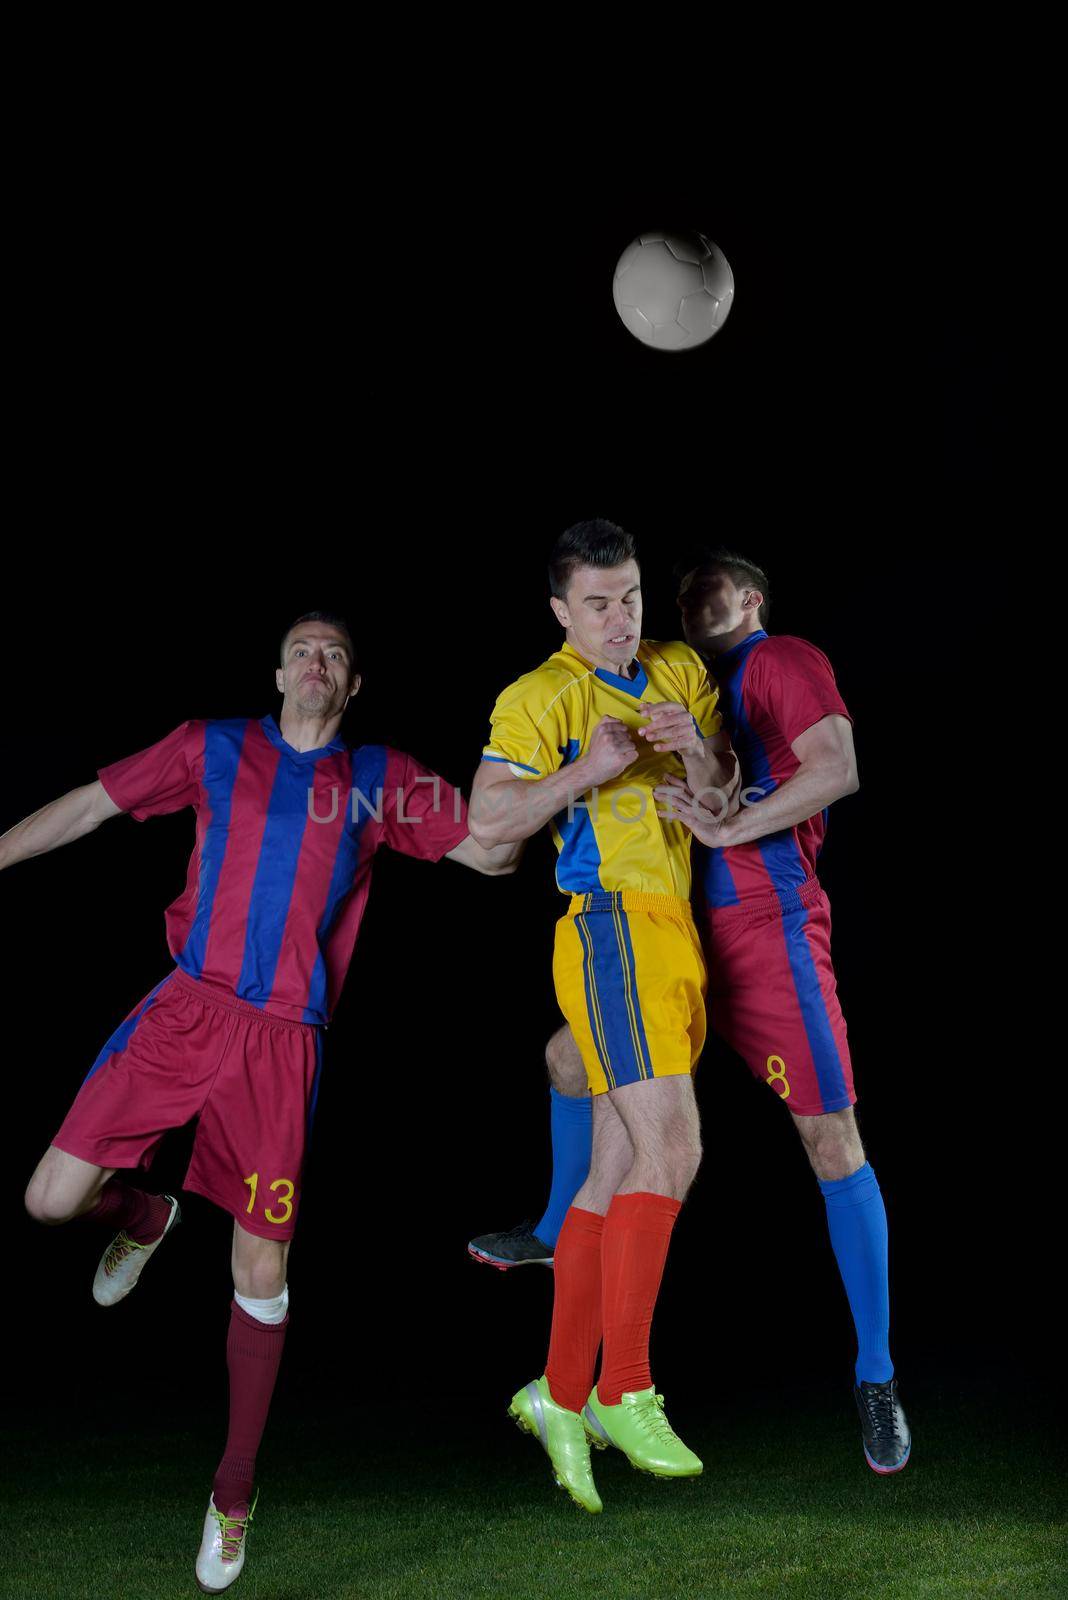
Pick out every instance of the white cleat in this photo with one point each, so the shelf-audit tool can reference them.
(124, 1261)
(222, 1549)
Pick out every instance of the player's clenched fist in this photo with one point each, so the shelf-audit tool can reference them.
(611, 751)
(671, 727)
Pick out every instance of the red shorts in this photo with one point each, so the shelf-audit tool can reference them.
(772, 997)
(250, 1080)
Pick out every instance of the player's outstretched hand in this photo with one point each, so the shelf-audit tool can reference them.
(677, 803)
(611, 751)
(671, 727)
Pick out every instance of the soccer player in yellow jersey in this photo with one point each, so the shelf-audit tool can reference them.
(581, 743)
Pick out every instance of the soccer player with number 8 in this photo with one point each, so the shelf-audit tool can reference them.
(766, 930)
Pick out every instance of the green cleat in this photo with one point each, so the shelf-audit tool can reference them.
(563, 1439)
(639, 1428)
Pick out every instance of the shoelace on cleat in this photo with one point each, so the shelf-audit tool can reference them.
(518, 1231)
(233, 1531)
(121, 1247)
(650, 1413)
(879, 1404)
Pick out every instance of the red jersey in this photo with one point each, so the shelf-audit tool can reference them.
(285, 839)
(771, 690)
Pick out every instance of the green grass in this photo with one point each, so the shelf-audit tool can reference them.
(786, 1509)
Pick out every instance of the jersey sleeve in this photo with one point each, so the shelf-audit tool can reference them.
(528, 729)
(160, 779)
(423, 816)
(795, 684)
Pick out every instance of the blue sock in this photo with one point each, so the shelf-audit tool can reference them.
(856, 1218)
(572, 1133)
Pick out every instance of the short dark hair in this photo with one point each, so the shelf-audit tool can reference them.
(332, 620)
(742, 572)
(588, 544)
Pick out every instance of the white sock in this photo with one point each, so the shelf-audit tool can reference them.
(270, 1311)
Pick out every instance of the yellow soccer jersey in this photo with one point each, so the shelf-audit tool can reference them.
(546, 719)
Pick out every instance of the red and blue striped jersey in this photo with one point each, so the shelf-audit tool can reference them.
(285, 842)
(771, 690)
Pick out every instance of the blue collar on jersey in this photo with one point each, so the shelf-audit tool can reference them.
(273, 732)
(731, 657)
(635, 686)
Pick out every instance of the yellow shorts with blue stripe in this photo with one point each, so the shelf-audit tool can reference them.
(630, 979)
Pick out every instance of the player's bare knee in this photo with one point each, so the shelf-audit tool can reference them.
(668, 1168)
(596, 1193)
(832, 1144)
(833, 1159)
(260, 1280)
(849, 1157)
(675, 1179)
(63, 1187)
(566, 1071)
(259, 1265)
(46, 1205)
(832, 1166)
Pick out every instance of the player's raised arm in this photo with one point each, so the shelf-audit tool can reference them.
(149, 783)
(506, 809)
(61, 821)
(426, 817)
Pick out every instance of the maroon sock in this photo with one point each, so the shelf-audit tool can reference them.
(253, 1355)
(141, 1216)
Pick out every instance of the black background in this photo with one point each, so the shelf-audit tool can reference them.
(244, 392)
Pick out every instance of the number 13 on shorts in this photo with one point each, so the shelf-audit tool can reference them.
(284, 1200)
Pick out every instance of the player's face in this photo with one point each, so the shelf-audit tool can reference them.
(603, 613)
(317, 679)
(711, 605)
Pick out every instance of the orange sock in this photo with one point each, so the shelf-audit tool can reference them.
(637, 1232)
(576, 1331)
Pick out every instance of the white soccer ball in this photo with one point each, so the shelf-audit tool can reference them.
(673, 290)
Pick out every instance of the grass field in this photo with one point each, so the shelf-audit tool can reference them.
(351, 1508)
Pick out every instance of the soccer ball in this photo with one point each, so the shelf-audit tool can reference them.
(673, 290)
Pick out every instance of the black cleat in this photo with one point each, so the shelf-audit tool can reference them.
(887, 1440)
(518, 1247)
